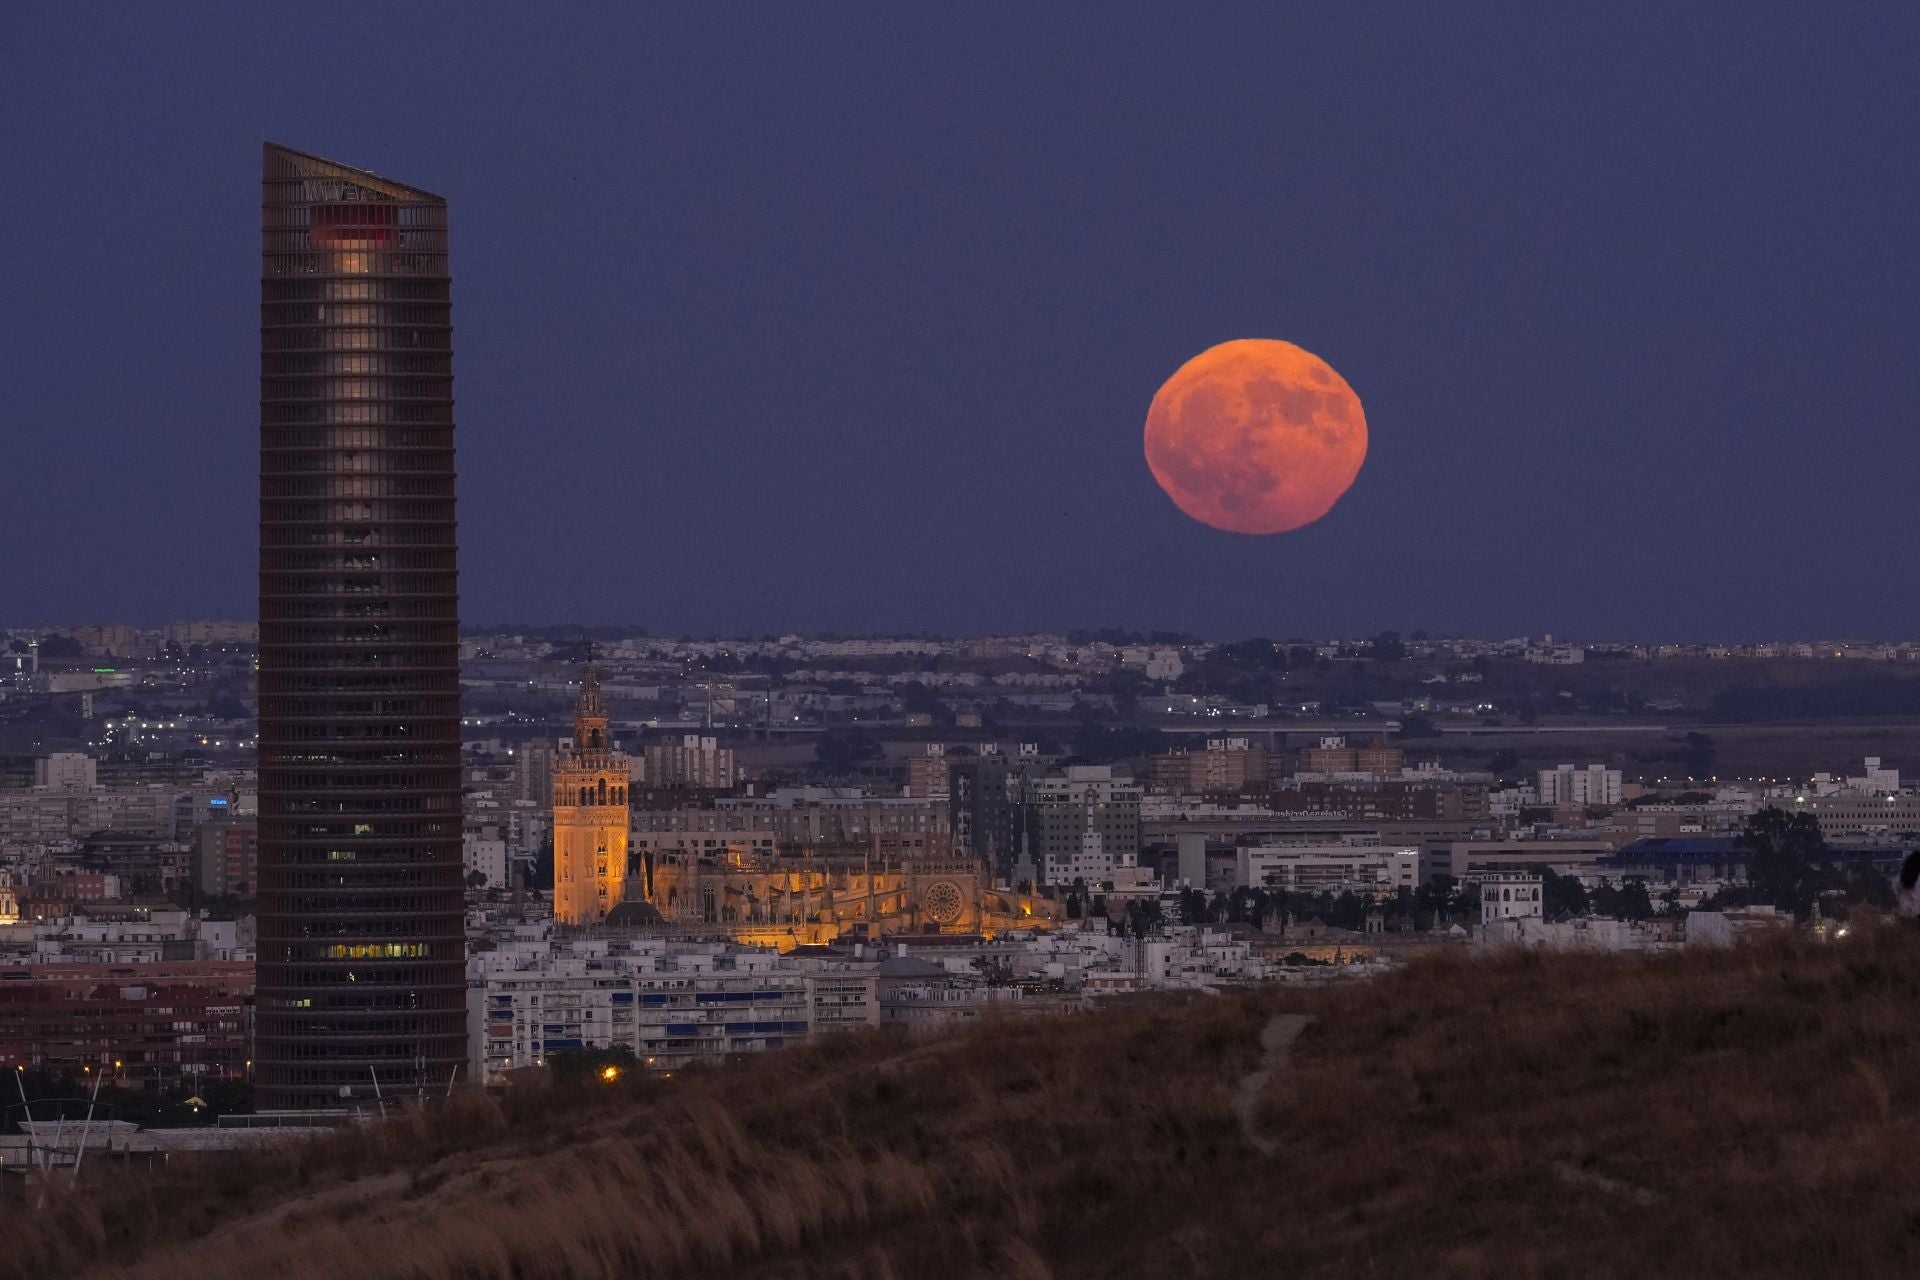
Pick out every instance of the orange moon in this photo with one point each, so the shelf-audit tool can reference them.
(1256, 436)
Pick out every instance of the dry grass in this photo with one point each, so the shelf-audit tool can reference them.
(1744, 1113)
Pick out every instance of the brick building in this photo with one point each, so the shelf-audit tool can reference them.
(168, 1024)
(228, 858)
(1333, 755)
(1227, 766)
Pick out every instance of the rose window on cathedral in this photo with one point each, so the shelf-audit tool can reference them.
(943, 903)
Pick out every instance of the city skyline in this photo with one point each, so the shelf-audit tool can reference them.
(1124, 585)
(793, 375)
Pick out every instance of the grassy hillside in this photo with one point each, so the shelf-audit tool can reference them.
(1744, 1113)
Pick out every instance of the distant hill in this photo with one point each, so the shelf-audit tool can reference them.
(1753, 1112)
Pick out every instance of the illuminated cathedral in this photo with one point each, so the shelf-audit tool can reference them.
(784, 902)
(589, 816)
(805, 896)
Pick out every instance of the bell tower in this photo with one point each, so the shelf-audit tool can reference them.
(589, 815)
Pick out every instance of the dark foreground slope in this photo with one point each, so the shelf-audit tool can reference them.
(1745, 1113)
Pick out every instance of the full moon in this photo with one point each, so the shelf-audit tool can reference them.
(1256, 436)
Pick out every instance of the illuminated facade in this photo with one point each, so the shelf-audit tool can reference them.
(361, 947)
(760, 898)
(589, 816)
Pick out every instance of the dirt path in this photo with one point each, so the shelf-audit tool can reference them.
(1276, 1045)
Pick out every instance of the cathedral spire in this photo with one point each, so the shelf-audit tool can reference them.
(589, 814)
(590, 714)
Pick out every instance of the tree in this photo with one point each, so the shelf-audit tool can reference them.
(586, 1066)
(1257, 905)
(1348, 910)
(1073, 906)
(1863, 883)
(1633, 902)
(58, 648)
(1095, 743)
(1628, 901)
(843, 751)
(1386, 647)
(1400, 912)
(1786, 859)
(476, 879)
(1431, 898)
(1246, 670)
(917, 699)
(539, 871)
(1418, 726)
(1561, 895)
(1193, 906)
(1144, 916)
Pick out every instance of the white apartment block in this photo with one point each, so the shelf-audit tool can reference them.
(1091, 861)
(160, 935)
(486, 852)
(54, 816)
(1185, 956)
(919, 1008)
(694, 761)
(1328, 868)
(844, 999)
(1568, 787)
(1852, 813)
(1877, 777)
(670, 1003)
(1877, 780)
(707, 833)
(1507, 802)
(66, 771)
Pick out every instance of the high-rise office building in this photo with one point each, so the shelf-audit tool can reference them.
(362, 982)
(989, 805)
(1084, 822)
(984, 810)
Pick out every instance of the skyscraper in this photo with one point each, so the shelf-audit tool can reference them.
(361, 943)
(589, 816)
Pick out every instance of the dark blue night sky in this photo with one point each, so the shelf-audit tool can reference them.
(846, 317)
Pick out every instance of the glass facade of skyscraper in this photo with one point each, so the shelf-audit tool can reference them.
(361, 945)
